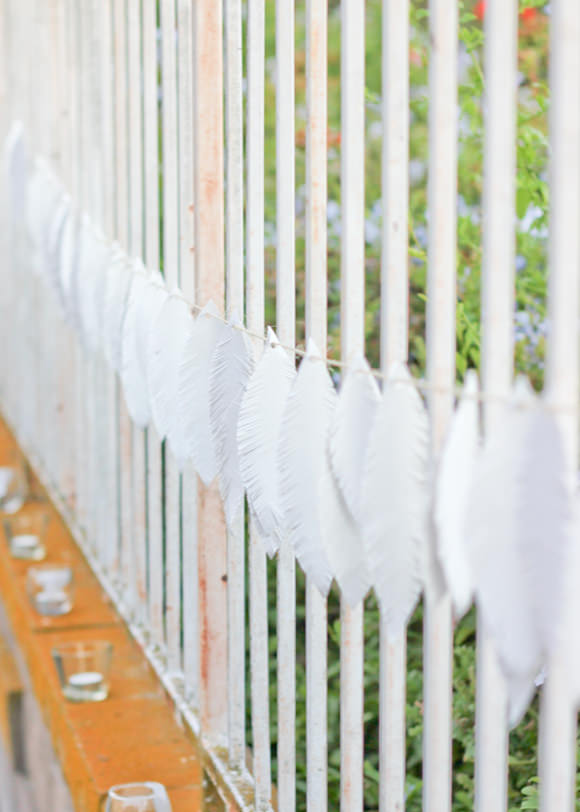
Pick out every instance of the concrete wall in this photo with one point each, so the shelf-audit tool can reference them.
(30, 776)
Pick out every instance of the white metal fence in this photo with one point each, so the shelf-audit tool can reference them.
(137, 129)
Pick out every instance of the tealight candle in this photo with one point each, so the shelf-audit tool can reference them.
(51, 589)
(86, 686)
(52, 602)
(25, 532)
(25, 540)
(26, 545)
(83, 670)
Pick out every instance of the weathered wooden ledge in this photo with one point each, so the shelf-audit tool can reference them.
(133, 735)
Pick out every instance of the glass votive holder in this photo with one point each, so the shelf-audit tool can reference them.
(13, 486)
(50, 589)
(146, 797)
(83, 670)
(26, 532)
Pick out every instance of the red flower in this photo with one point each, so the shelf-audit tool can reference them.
(479, 9)
(528, 15)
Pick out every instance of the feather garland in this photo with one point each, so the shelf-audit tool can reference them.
(166, 344)
(519, 522)
(117, 289)
(193, 398)
(259, 424)
(302, 460)
(231, 368)
(452, 490)
(395, 498)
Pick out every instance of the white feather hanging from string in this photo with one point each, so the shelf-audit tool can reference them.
(118, 285)
(231, 368)
(259, 426)
(16, 162)
(452, 492)
(395, 498)
(167, 341)
(69, 257)
(54, 246)
(142, 308)
(519, 522)
(44, 193)
(95, 258)
(176, 436)
(302, 459)
(341, 493)
(341, 540)
(193, 399)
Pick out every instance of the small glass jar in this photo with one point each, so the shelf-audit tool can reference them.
(83, 670)
(13, 485)
(50, 589)
(26, 533)
(146, 797)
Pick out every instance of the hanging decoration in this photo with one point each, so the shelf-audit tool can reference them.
(259, 428)
(231, 368)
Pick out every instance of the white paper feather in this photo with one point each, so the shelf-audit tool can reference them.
(134, 348)
(54, 246)
(347, 447)
(302, 460)
(231, 368)
(69, 266)
(166, 345)
(94, 261)
(395, 498)
(349, 432)
(44, 192)
(193, 399)
(342, 540)
(452, 490)
(118, 285)
(518, 535)
(16, 158)
(259, 426)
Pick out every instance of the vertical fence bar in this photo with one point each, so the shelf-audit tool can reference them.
(498, 261)
(235, 305)
(442, 204)
(285, 326)
(139, 461)
(558, 713)
(209, 230)
(122, 233)
(187, 275)
(352, 300)
(152, 259)
(394, 347)
(255, 321)
(316, 328)
(171, 273)
(108, 75)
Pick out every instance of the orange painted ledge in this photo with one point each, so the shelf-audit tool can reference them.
(132, 735)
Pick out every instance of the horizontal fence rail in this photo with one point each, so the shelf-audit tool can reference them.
(237, 337)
